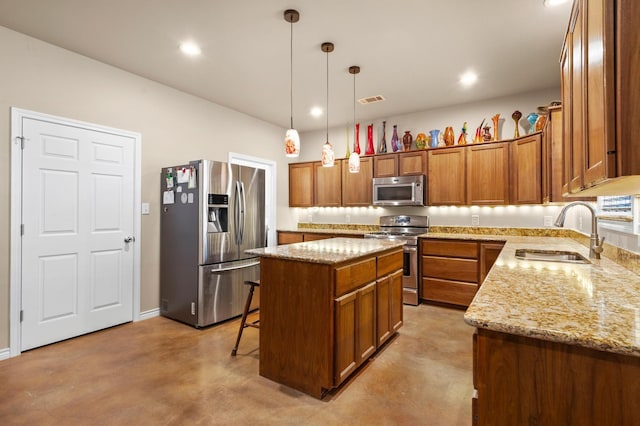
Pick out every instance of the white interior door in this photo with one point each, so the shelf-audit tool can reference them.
(78, 213)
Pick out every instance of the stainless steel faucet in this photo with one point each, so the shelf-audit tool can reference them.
(595, 245)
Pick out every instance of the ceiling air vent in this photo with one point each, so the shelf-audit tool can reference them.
(371, 99)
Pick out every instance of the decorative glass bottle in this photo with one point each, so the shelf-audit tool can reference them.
(382, 148)
(434, 138)
(449, 137)
(407, 140)
(395, 141)
(370, 149)
(356, 142)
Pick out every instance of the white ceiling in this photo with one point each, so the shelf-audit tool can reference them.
(410, 51)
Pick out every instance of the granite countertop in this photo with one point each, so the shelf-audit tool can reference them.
(329, 251)
(594, 305)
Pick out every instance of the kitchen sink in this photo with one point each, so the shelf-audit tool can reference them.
(551, 256)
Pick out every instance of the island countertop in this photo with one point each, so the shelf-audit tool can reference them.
(594, 305)
(329, 251)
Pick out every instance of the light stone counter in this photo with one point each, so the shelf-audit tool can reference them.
(329, 251)
(593, 305)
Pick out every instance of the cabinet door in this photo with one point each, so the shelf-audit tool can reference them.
(301, 185)
(412, 163)
(328, 185)
(396, 316)
(289, 237)
(366, 322)
(346, 356)
(526, 170)
(577, 101)
(385, 165)
(357, 187)
(599, 102)
(447, 177)
(383, 288)
(567, 127)
(488, 174)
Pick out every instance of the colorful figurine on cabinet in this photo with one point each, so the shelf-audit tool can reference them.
(462, 139)
(478, 136)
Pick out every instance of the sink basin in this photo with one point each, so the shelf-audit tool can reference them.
(551, 256)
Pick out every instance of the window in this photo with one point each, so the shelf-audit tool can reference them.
(620, 213)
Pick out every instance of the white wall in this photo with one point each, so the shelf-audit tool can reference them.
(175, 128)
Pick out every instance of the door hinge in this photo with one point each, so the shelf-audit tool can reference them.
(21, 315)
(21, 229)
(22, 139)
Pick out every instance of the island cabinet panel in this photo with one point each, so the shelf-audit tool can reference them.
(522, 380)
(488, 174)
(301, 185)
(319, 322)
(447, 177)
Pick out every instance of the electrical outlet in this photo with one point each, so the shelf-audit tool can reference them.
(548, 221)
(145, 208)
(475, 220)
(347, 218)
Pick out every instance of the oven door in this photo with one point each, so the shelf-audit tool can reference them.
(410, 294)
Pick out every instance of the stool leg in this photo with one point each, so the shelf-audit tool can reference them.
(247, 305)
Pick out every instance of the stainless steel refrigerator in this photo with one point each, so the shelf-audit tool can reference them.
(211, 213)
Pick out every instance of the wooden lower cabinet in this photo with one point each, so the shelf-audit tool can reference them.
(526, 381)
(290, 237)
(319, 322)
(452, 270)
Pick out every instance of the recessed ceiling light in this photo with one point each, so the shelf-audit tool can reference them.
(316, 111)
(551, 3)
(190, 49)
(468, 78)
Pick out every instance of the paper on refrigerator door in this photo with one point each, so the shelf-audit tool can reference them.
(168, 197)
(183, 175)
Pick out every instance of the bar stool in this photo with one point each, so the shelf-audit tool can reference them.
(243, 323)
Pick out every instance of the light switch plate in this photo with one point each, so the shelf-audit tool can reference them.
(548, 221)
(475, 220)
(145, 208)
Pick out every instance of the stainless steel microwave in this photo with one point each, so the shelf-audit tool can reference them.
(399, 191)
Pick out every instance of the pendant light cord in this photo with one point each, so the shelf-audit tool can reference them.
(354, 108)
(291, 76)
(327, 96)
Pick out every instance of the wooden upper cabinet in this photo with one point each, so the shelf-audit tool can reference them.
(357, 187)
(328, 185)
(488, 174)
(301, 185)
(412, 163)
(577, 110)
(567, 128)
(446, 177)
(526, 170)
(385, 165)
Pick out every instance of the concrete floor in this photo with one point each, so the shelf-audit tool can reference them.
(162, 372)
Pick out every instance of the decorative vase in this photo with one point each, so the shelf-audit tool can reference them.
(540, 122)
(370, 149)
(462, 139)
(517, 115)
(421, 141)
(495, 119)
(449, 137)
(395, 141)
(478, 136)
(356, 140)
(486, 134)
(383, 142)
(407, 140)
(434, 137)
(348, 154)
(532, 118)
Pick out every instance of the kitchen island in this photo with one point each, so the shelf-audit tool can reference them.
(556, 343)
(325, 307)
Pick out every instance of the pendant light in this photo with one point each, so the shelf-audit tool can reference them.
(328, 156)
(354, 158)
(291, 138)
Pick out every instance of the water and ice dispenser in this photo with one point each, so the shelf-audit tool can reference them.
(218, 213)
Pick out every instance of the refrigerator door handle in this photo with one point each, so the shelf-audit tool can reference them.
(236, 214)
(243, 211)
(231, 268)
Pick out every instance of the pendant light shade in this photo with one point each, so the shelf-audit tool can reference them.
(291, 138)
(354, 158)
(328, 156)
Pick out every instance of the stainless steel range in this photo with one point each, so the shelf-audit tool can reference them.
(405, 228)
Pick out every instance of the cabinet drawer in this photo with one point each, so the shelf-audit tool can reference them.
(450, 268)
(450, 248)
(314, 237)
(349, 278)
(289, 237)
(454, 292)
(388, 263)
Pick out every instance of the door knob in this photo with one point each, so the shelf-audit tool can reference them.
(129, 239)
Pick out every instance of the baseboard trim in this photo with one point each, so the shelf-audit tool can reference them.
(151, 313)
(5, 354)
